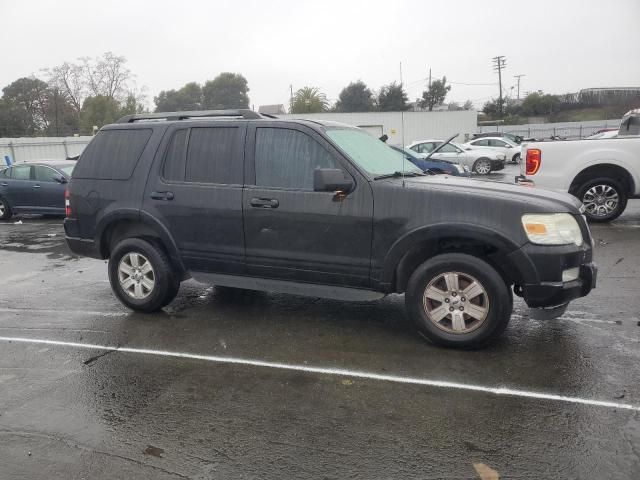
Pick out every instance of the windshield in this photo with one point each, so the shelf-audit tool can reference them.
(67, 170)
(374, 156)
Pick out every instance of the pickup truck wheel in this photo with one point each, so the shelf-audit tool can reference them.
(516, 158)
(604, 199)
(458, 300)
(5, 210)
(482, 166)
(141, 276)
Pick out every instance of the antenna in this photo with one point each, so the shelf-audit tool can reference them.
(402, 126)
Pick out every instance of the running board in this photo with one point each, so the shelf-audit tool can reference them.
(283, 286)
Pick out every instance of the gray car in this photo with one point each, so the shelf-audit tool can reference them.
(36, 187)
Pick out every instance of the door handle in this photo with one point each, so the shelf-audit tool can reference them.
(264, 203)
(36, 186)
(162, 195)
(4, 184)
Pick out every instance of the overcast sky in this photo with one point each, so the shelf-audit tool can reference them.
(561, 46)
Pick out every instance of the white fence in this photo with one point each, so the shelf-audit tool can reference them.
(41, 148)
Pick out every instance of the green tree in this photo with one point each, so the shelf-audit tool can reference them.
(226, 91)
(392, 98)
(539, 103)
(189, 97)
(61, 114)
(14, 121)
(309, 100)
(98, 111)
(29, 99)
(356, 97)
(436, 94)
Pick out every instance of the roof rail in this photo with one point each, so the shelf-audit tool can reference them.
(245, 113)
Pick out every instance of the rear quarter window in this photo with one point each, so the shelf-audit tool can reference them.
(112, 154)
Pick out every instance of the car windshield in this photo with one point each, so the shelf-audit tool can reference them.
(67, 170)
(374, 156)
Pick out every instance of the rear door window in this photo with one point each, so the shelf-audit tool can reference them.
(112, 154)
(175, 158)
(211, 156)
(481, 143)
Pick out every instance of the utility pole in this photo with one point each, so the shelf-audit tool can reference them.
(429, 77)
(291, 98)
(518, 77)
(499, 63)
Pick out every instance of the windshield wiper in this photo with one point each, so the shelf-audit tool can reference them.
(398, 174)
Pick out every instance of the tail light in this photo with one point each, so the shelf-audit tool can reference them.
(67, 204)
(534, 160)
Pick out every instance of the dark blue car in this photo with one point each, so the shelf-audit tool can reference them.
(435, 166)
(36, 187)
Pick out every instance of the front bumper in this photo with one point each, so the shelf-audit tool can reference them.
(541, 269)
(497, 165)
(551, 294)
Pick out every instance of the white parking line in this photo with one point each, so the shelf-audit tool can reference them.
(58, 312)
(335, 371)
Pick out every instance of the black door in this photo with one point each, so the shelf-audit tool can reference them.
(195, 191)
(292, 232)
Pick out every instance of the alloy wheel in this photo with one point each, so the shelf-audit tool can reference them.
(483, 167)
(136, 276)
(456, 302)
(601, 200)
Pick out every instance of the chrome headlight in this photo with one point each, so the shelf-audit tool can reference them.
(552, 229)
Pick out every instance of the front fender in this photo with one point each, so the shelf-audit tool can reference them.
(463, 231)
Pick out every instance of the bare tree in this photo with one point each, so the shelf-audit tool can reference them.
(69, 80)
(105, 76)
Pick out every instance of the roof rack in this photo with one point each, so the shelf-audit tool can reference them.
(245, 113)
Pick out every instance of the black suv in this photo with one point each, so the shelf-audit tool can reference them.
(237, 199)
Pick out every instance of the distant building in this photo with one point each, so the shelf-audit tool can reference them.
(272, 109)
(608, 95)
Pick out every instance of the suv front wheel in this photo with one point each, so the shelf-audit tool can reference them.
(458, 300)
(141, 276)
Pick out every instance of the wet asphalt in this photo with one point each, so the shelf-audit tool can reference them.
(72, 412)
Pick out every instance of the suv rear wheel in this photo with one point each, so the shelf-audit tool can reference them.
(604, 199)
(141, 276)
(458, 300)
(5, 210)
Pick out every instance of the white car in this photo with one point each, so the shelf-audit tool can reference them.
(501, 144)
(478, 161)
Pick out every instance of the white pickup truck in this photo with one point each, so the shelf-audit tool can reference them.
(602, 173)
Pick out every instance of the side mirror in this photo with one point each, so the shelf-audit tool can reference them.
(60, 179)
(331, 180)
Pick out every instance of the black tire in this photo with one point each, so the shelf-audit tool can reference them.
(591, 208)
(516, 158)
(5, 210)
(165, 282)
(495, 299)
(481, 161)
